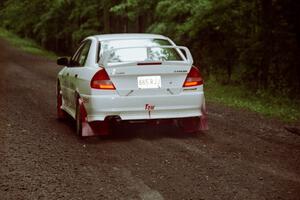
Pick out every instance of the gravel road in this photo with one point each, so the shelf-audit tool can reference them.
(242, 156)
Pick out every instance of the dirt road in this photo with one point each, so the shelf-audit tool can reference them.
(242, 156)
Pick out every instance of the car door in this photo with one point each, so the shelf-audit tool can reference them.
(65, 83)
(76, 71)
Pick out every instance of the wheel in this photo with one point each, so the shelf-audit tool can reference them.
(61, 114)
(79, 120)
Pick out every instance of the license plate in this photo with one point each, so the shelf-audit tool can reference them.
(149, 82)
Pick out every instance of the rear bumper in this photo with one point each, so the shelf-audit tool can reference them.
(186, 104)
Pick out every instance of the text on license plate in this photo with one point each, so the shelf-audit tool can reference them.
(147, 82)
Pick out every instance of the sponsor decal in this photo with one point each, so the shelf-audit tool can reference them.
(180, 71)
(115, 72)
(149, 107)
(189, 89)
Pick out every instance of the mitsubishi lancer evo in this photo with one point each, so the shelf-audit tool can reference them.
(127, 78)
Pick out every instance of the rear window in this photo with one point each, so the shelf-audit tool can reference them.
(140, 50)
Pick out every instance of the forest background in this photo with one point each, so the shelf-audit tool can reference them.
(246, 49)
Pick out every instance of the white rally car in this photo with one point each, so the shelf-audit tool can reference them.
(130, 77)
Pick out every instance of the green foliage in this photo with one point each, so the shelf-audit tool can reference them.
(26, 45)
(132, 9)
(261, 101)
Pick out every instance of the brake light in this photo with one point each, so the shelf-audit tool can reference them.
(102, 81)
(193, 78)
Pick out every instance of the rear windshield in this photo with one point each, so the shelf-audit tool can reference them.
(140, 50)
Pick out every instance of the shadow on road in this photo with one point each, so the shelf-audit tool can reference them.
(125, 131)
(148, 132)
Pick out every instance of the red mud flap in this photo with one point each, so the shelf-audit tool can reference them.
(203, 125)
(192, 124)
(195, 124)
(96, 128)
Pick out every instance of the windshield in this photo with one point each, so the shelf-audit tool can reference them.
(139, 50)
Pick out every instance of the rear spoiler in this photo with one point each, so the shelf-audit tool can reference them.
(186, 56)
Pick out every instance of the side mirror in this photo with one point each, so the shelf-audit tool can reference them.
(63, 61)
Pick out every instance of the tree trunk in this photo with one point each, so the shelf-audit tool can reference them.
(266, 35)
(106, 17)
(141, 24)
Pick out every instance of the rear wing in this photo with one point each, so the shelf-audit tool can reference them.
(184, 53)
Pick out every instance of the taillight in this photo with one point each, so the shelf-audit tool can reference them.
(102, 81)
(193, 78)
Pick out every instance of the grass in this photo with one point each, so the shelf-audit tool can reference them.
(263, 102)
(25, 44)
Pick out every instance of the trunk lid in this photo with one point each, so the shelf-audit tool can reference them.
(133, 79)
(162, 71)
